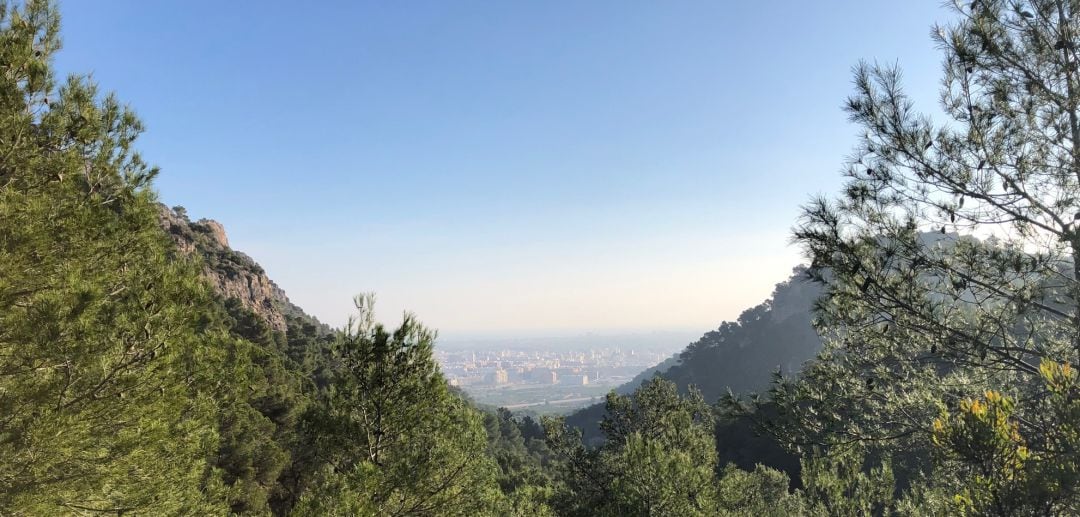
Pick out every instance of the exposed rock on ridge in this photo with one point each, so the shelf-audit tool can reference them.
(231, 273)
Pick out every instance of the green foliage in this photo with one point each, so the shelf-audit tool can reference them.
(640, 429)
(951, 273)
(659, 458)
(983, 436)
(996, 473)
(760, 492)
(740, 356)
(390, 436)
(127, 386)
(104, 353)
(524, 461)
(660, 452)
(656, 478)
(840, 484)
(261, 405)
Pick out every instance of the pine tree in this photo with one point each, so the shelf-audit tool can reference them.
(659, 457)
(392, 438)
(951, 259)
(106, 396)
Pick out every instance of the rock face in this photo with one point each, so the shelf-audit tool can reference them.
(231, 273)
(216, 232)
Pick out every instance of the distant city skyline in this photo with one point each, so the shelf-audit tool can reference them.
(502, 169)
(546, 379)
(559, 339)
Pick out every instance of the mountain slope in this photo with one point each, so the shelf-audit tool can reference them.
(740, 355)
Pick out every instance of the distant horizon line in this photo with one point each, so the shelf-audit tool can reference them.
(452, 337)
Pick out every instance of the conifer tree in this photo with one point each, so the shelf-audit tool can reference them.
(392, 438)
(951, 260)
(106, 365)
(659, 457)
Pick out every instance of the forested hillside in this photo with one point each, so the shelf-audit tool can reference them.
(146, 368)
(743, 355)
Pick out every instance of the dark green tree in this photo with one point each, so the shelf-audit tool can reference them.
(259, 449)
(525, 475)
(760, 492)
(843, 484)
(659, 456)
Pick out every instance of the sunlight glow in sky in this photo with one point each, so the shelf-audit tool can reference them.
(503, 167)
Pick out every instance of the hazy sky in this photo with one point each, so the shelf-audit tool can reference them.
(503, 167)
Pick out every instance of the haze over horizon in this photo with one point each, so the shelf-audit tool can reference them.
(503, 169)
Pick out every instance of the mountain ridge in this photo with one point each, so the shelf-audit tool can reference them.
(232, 273)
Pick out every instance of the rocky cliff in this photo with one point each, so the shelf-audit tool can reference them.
(231, 273)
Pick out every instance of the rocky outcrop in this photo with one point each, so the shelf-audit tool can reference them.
(231, 273)
(216, 232)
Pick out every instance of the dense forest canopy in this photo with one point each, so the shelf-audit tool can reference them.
(926, 361)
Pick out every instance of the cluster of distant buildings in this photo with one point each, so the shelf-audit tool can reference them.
(538, 367)
(523, 375)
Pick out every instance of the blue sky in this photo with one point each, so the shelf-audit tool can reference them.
(503, 167)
